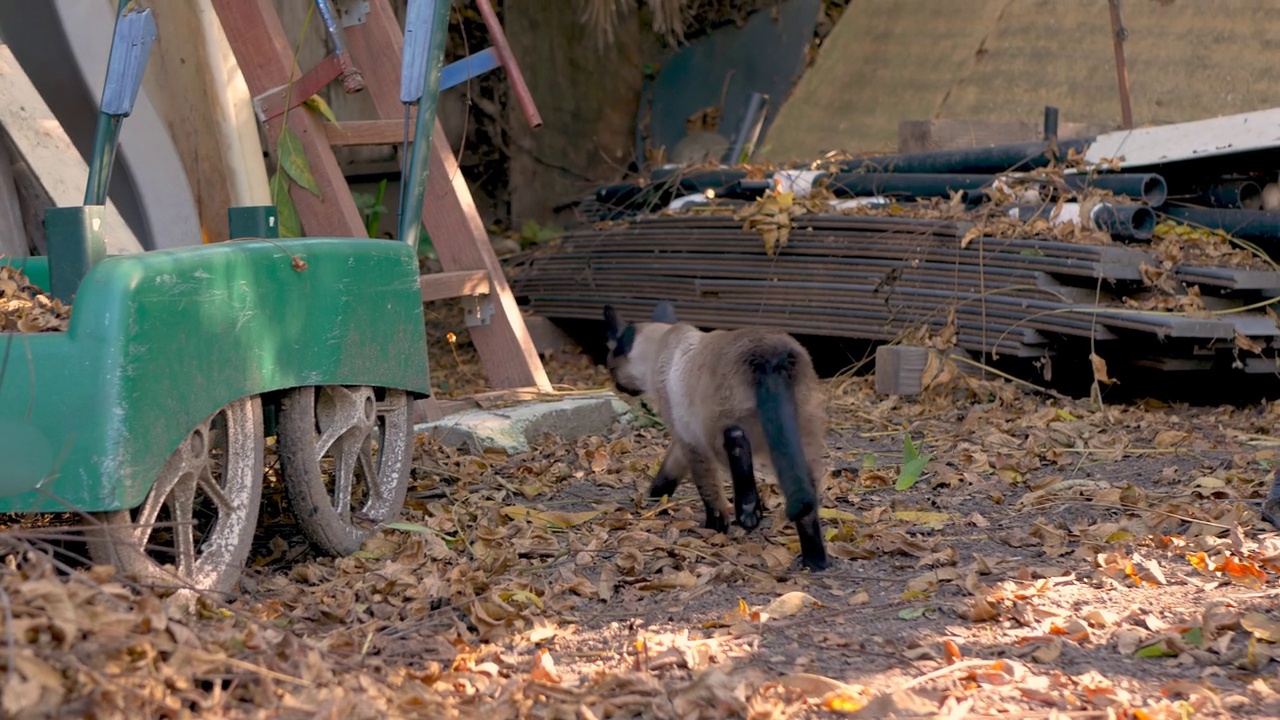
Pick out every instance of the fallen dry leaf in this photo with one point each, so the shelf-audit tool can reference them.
(544, 668)
(786, 606)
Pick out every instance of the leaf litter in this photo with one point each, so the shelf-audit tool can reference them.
(1050, 558)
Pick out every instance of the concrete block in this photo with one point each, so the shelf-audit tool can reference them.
(516, 428)
(899, 369)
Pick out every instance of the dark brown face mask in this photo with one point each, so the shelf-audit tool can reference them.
(620, 338)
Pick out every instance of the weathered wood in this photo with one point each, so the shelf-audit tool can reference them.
(446, 285)
(900, 369)
(428, 409)
(368, 132)
(13, 234)
(449, 211)
(46, 149)
(33, 198)
(194, 92)
(257, 37)
(348, 107)
(939, 134)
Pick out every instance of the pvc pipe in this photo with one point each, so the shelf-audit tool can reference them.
(1232, 194)
(912, 185)
(993, 159)
(1136, 222)
(1241, 224)
(1148, 187)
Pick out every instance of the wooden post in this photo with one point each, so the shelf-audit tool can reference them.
(257, 38)
(13, 232)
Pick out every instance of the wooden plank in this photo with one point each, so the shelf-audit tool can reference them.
(199, 94)
(900, 369)
(1212, 137)
(368, 132)
(449, 212)
(446, 285)
(46, 149)
(428, 409)
(13, 233)
(257, 38)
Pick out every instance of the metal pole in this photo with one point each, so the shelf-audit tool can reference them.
(104, 142)
(518, 87)
(414, 178)
(1118, 36)
(352, 80)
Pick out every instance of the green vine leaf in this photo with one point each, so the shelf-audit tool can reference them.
(290, 222)
(317, 103)
(294, 160)
(913, 463)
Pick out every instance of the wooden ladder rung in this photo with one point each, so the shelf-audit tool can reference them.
(367, 132)
(459, 283)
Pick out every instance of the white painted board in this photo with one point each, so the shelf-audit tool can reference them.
(47, 150)
(1226, 135)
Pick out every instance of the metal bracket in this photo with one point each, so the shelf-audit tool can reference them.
(479, 309)
(130, 47)
(352, 12)
(418, 16)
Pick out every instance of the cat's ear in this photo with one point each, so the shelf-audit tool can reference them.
(614, 324)
(665, 312)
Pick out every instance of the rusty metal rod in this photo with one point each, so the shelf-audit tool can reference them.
(1118, 35)
(499, 39)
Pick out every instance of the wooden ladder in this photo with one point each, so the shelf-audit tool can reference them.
(368, 60)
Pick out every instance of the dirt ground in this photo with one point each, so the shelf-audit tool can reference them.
(1051, 559)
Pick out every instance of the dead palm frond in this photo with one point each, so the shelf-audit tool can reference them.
(603, 17)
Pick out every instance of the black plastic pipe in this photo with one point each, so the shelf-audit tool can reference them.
(1132, 222)
(1050, 124)
(1232, 194)
(912, 185)
(1242, 224)
(993, 159)
(667, 184)
(1148, 187)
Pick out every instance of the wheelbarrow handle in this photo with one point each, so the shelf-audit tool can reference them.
(500, 46)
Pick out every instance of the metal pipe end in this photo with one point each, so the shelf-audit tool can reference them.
(1155, 190)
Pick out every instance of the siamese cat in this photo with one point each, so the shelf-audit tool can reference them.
(721, 393)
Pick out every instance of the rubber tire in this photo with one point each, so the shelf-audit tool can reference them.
(115, 542)
(305, 482)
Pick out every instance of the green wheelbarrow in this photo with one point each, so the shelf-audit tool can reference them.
(152, 409)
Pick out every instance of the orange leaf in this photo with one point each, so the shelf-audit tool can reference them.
(952, 651)
(544, 668)
(1199, 561)
(1243, 573)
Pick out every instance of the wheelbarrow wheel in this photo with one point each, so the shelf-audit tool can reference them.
(345, 452)
(194, 529)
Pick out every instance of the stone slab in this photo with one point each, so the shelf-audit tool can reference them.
(517, 428)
